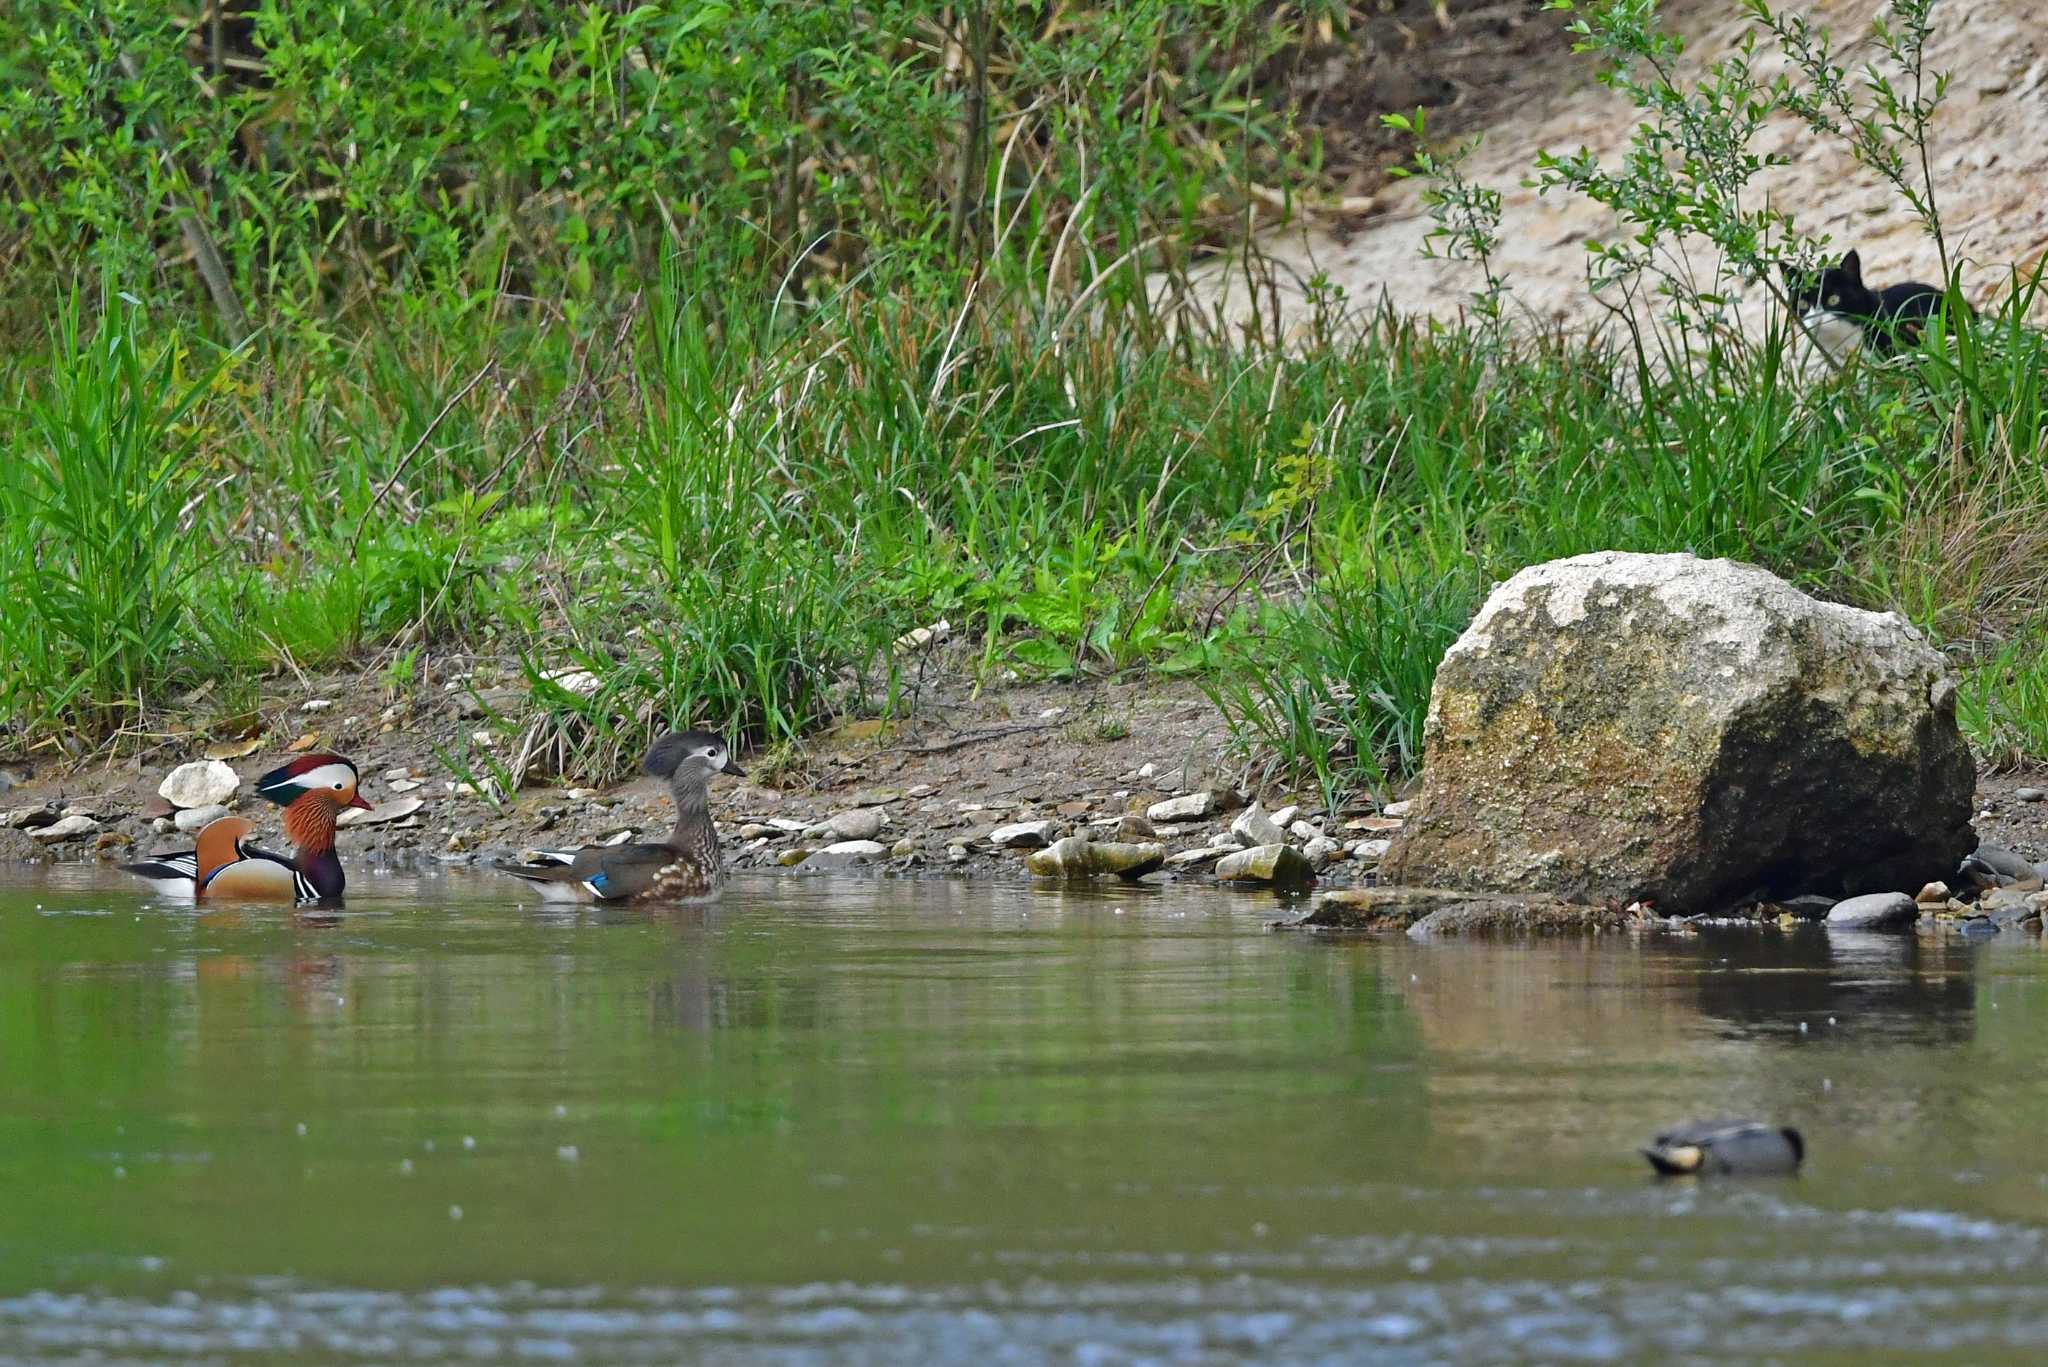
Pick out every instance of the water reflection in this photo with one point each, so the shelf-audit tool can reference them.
(1903, 989)
(1063, 1121)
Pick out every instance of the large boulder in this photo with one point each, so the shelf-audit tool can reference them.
(1685, 732)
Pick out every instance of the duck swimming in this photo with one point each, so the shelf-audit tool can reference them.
(686, 867)
(314, 790)
(1726, 1148)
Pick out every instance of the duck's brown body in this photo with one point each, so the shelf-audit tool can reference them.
(686, 867)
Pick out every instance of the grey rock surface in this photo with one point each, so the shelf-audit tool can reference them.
(1622, 727)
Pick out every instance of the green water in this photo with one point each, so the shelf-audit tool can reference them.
(898, 1122)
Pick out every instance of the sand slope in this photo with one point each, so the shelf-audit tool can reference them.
(1990, 158)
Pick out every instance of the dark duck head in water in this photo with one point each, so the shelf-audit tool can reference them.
(1726, 1148)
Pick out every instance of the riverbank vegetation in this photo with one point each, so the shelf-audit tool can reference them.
(711, 348)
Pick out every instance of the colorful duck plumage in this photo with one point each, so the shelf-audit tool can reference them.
(686, 867)
(314, 790)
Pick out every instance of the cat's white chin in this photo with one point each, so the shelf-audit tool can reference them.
(1836, 334)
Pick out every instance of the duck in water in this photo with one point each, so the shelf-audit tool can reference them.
(1726, 1148)
(314, 791)
(686, 867)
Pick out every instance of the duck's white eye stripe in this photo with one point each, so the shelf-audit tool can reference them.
(326, 776)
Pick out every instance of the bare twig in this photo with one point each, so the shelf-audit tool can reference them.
(392, 483)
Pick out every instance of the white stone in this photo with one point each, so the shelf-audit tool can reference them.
(1286, 815)
(202, 783)
(1253, 827)
(395, 810)
(1305, 830)
(1397, 810)
(1323, 850)
(861, 823)
(1025, 834)
(198, 818)
(70, 828)
(1370, 850)
(1186, 807)
(574, 679)
(316, 704)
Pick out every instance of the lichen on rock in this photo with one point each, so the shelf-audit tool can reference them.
(1618, 727)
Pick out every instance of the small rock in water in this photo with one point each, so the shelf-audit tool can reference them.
(202, 783)
(1028, 835)
(1253, 827)
(1874, 911)
(1281, 865)
(1187, 807)
(197, 818)
(1078, 857)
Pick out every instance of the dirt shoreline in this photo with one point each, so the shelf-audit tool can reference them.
(1083, 756)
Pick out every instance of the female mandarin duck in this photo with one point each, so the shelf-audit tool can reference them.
(313, 790)
(683, 868)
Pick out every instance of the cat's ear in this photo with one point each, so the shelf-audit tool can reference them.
(1852, 266)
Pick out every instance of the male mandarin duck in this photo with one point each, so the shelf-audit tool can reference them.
(683, 868)
(313, 790)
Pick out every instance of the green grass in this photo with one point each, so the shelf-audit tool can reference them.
(733, 522)
(888, 339)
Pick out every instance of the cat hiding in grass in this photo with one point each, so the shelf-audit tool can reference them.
(1842, 313)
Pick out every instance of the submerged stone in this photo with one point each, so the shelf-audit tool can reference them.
(1874, 911)
(1281, 865)
(1077, 857)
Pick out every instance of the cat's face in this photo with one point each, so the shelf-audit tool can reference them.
(1837, 289)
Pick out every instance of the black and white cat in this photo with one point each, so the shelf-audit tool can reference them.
(1841, 313)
